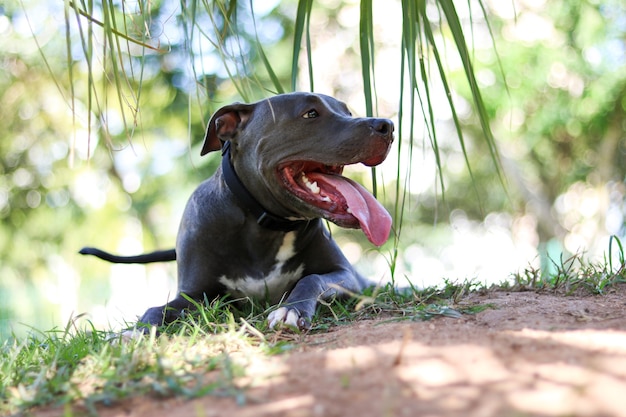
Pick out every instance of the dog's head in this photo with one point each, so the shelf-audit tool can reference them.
(290, 150)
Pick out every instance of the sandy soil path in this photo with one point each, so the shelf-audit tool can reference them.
(530, 354)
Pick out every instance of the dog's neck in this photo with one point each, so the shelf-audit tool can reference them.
(264, 217)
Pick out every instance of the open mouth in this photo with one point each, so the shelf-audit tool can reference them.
(339, 199)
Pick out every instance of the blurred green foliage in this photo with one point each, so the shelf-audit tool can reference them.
(101, 132)
(558, 109)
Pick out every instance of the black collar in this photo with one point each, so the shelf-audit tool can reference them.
(263, 217)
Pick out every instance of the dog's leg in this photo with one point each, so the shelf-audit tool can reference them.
(158, 316)
(299, 307)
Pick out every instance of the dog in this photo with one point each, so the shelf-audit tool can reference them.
(255, 229)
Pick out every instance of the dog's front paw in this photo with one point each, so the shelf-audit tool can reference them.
(289, 317)
(131, 335)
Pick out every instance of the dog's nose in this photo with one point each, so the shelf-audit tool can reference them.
(383, 126)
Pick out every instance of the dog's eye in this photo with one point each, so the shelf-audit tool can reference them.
(311, 114)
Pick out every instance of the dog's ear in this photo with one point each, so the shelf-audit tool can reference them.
(224, 124)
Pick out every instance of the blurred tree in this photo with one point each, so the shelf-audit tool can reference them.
(105, 109)
(558, 112)
(106, 102)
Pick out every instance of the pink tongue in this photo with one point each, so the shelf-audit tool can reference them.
(375, 221)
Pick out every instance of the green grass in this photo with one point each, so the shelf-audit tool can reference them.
(61, 366)
(201, 353)
(572, 275)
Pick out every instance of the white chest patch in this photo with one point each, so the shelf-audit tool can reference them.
(275, 284)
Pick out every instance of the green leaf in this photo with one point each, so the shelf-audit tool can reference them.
(454, 23)
(302, 23)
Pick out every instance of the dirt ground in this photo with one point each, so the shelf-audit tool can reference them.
(529, 354)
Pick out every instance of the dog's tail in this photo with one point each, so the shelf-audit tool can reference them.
(146, 258)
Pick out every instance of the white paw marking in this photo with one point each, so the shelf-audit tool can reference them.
(284, 316)
(130, 335)
(126, 336)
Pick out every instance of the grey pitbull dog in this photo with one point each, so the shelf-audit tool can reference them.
(254, 228)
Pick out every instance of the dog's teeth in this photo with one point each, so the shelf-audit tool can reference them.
(312, 186)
